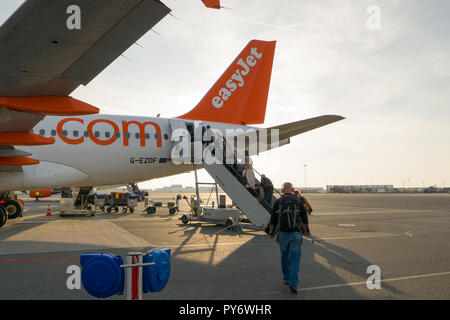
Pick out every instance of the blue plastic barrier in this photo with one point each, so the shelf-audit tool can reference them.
(102, 275)
(155, 277)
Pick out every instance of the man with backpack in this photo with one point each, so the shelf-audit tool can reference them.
(288, 222)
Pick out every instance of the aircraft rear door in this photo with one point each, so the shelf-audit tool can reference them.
(183, 135)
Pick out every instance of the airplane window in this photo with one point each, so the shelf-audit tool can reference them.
(86, 134)
(128, 135)
(117, 134)
(53, 132)
(166, 136)
(137, 135)
(42, 132)
(147, 136)
(64, 132)
(75, 133)
(107, 134)
(97, 134)
(31, 131)
(156, 136)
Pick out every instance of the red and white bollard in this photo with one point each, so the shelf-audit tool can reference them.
(133, 275)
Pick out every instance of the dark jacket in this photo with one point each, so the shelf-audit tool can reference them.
(267, 185)
(288, 199)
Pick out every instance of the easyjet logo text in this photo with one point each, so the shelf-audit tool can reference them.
(115, 132)
(237, 79)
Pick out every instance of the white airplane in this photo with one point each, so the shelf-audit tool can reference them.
(51, 140)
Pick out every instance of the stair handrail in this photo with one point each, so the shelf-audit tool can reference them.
(233, 170)
(275, 189)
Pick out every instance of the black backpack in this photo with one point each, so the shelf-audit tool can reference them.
(289, 218)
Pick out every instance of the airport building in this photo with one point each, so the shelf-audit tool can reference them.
(383, 189)
(174, 188)
(360, 188)
(310, 189)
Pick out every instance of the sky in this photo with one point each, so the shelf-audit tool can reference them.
(383, 65)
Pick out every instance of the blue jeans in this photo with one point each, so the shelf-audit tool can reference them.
(291, 252)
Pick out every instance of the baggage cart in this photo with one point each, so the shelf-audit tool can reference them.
(100, 201)
(170, 207)
(121, 199)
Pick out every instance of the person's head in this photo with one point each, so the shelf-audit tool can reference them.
(263, 175)
(248, 165)
(287, 188)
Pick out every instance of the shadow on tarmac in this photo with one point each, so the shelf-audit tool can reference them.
(251, 270)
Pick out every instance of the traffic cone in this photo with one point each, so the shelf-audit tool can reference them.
(49, 212)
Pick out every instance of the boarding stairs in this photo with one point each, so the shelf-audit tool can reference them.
(228, 178)
(247, 200)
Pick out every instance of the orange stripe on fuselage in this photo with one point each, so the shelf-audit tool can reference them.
(98, 141)
(115, 127)
(141, 126)
(59, 130)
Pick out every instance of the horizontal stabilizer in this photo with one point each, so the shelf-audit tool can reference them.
(285, 132)
(294, 128)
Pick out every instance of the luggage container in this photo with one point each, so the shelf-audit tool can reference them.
(121, 199)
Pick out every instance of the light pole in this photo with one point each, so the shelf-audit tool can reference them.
(304, 171)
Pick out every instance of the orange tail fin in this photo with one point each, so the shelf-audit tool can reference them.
(240, 94)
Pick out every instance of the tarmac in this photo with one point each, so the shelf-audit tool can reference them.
(406, 235)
